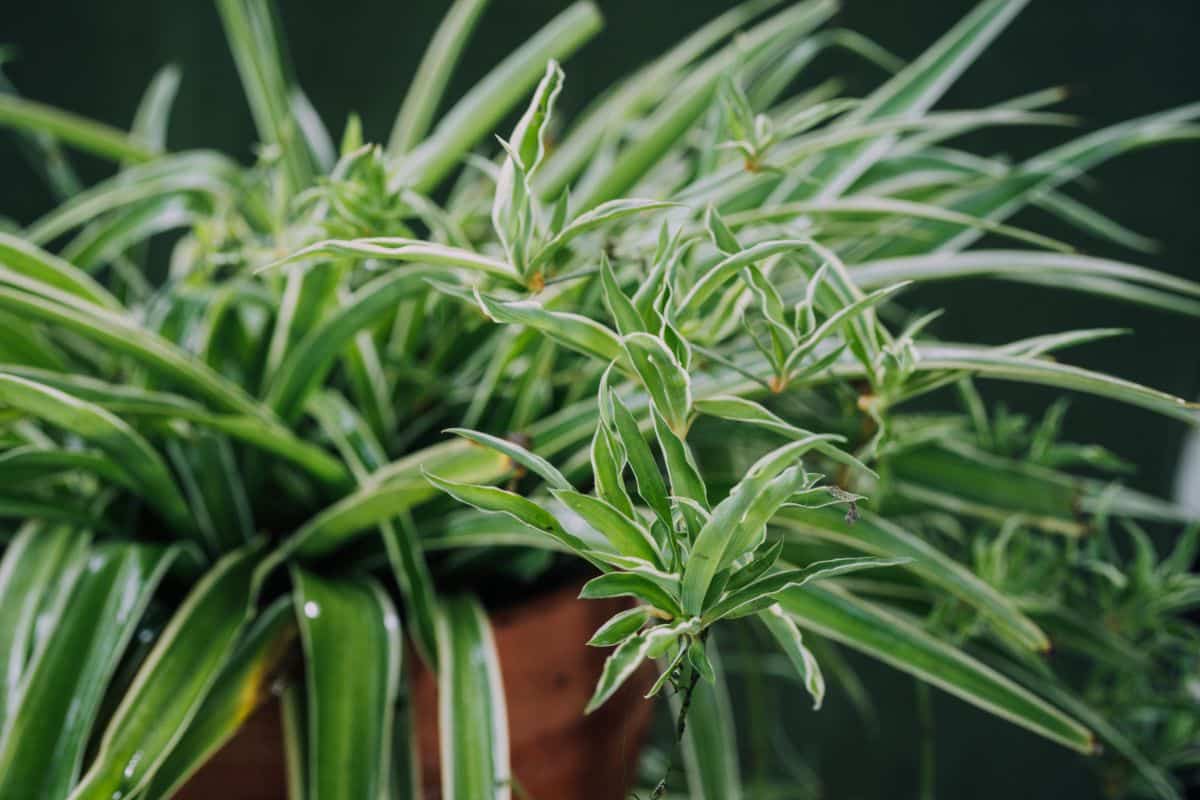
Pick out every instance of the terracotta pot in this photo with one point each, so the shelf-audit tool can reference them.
(548, 674)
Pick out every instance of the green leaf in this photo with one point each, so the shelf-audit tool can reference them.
(758, 594)
(38, 559)
(744, 410)
(31, 261)
(127, 338)
(888, 207)
(791, 642)
(200, 173)
(992, 364)
(629, 655)
(472, 715)
(396, 248)
(691, 97)
(650, 484)
(153, 115)
(244, 684)
(535, 463)
(478, 112)
(663, 376)
(528, 140)
(686, 481)
(632, 584)
(595, 218)
(608, 465)
(628, 536)
(1156, 776)
(620, 307)
(874, 534)
(619, 627)
(352, 646)
(738, 519)
(33, 462)
(390, 491)
(172, 683)
(364, 453)
(1018, 265)
(429, 83)
(44, 744)
(110, 434)
(85, 134)
(309, 361)
(913, 91)
(880, 634)
(635, 94)
(730, 267)
(573, 330)
(250, 31)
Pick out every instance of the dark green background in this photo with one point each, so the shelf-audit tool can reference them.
(1120, 58)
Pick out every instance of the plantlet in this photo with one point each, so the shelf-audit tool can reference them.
(259, 426)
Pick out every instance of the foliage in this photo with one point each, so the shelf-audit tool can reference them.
(258, 415)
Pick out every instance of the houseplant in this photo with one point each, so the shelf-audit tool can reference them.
(253, 416)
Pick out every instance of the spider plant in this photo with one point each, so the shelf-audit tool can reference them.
(263, 424)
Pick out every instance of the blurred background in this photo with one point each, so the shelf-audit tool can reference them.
(1119, 59)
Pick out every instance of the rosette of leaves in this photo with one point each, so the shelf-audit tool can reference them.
(233, 400)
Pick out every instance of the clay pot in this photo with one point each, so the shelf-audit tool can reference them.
(548, 675)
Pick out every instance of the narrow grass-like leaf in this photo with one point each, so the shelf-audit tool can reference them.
(32, 462)
(990, 364)
(759, 594)
(730, 267)
(306, 364)
(153, 115)
(405, 250)
(879, 536)
(198, 172)
(428, 85)
(89, 135)
(476, 114)
(629, 655)
(43, 747)
(172, 683)
(1012, 265)
(593, 219)
(791, 642)
(531, 461)
(880, 634)
(34, 262)
(343, 623)
(635, 94)
(244, 684)
(472, 714)
(739, 518)
(744, 410)
(130, 339)
(37, 558)
(250, 30)
(693, 96)
(914, 90)
(650, 484)
(109, 433)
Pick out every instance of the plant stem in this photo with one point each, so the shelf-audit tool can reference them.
(680, 727)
